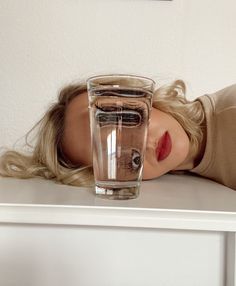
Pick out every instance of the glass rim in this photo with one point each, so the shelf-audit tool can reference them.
(132, 76)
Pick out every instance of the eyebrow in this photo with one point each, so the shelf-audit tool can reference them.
(111, 107)
(129, 118)
(130, 115)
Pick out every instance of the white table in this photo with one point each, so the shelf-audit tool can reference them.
(179, 231)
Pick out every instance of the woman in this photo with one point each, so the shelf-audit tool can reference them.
(197, 136)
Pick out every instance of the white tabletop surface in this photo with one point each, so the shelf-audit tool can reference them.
(172, 201)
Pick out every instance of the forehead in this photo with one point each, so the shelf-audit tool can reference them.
(79, 103)
(76, 143)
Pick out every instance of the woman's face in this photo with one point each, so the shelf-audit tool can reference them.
(167, 143)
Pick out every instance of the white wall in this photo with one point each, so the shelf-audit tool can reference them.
(46, 44)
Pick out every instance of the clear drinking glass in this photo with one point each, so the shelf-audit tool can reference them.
(119, 108)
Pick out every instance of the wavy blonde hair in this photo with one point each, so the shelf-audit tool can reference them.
(46, 158)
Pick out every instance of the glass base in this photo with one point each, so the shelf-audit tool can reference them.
(118, 192)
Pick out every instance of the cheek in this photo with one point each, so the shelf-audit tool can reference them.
(180, 148)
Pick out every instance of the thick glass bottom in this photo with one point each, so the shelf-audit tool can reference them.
(117, 191)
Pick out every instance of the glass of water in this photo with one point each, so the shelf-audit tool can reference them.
(119, 108)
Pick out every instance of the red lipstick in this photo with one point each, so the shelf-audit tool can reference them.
(164, 147)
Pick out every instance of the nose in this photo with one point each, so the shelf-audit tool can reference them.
(146, 174)
(149, 142)
(147, 150)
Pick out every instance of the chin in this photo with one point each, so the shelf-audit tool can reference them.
(148, 175)
(147, 179)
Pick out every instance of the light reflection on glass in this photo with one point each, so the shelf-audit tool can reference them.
(111, 155)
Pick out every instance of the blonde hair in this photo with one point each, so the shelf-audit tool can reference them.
(171, 99)
(47, 159)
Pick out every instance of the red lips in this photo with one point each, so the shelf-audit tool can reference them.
(164, 147)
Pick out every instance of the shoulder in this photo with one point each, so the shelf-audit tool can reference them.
(222, 99)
